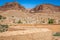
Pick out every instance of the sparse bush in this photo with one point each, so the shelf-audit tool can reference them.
(56, 34)
(4, 17)
(12, 16)
(1, 17)
(3, 28)
(43, 21)
(50, 21)
(19, 21)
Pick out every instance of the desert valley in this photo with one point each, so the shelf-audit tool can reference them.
(15, 19)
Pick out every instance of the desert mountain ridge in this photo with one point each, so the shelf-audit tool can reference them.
(46, 8)
(39, 8)
(11, 6)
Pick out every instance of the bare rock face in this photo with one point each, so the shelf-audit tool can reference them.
(46, 8)
(12, 5)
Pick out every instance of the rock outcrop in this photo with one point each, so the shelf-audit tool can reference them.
(12, 5)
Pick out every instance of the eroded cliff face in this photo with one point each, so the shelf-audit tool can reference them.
(11, 6)
(46, 8)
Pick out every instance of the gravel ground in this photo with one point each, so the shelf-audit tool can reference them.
(56, 38)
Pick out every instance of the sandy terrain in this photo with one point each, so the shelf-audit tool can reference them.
(54, 28)
(27, 34)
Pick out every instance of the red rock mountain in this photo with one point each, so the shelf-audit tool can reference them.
(12, 5)
(46, 8)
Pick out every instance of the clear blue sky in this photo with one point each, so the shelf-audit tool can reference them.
(31, 3)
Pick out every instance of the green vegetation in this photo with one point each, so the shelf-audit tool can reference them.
(19, 21)
(50, 21)
(3, 28)
(1, 17)
(57, 34)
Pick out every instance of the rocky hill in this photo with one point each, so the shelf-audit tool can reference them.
(11, 5)
(46, 8)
